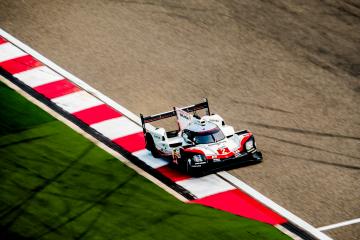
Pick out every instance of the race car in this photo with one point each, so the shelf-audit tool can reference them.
(199, 143)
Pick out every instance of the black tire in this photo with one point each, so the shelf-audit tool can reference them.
(182, 161)
(188, 167)
(150, 145)
(185, 165)
(194, 172)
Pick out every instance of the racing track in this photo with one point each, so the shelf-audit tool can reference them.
(120, 130)
(289, 72)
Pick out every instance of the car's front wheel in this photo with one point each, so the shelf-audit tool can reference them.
(193, 171)
(188, 166)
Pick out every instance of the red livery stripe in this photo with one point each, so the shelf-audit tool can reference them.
(132, 143)
(243, 141)
(173, 174)
(221, 156)
(194, 150)
(97, 114)
(239, 203)
(20, 64)
(57, 89)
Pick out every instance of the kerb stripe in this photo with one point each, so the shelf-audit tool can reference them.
(9, 51)
(38, 76)
(237, 202)
(116, 127)
(20, 64)
(132, 143)
(57, 88)
(97, 114)
(77, 101)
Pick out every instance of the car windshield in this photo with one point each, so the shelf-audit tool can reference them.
(211, 136)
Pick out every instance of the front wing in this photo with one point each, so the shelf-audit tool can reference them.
(238, 160)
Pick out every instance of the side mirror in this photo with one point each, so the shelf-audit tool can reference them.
(188, 141)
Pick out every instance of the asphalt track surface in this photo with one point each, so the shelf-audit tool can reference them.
(287, 71)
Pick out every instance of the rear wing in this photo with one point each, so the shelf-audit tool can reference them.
(192, 108)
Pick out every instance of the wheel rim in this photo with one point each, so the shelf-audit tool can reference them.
(188, 165)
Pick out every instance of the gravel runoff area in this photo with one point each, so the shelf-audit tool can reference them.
(289, 71)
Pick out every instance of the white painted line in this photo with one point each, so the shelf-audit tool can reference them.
(205, 186)
(272, 205)
(9, 51)
(116, 127)
(38, 76)
(341, 224)
(146, 156)
(287, 232)
(76, 101)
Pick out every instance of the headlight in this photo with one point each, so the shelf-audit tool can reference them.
(249, 145)
(198, 158)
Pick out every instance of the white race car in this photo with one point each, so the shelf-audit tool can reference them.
(200, 143)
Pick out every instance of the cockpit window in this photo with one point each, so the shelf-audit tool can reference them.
(203, 139)
(206, 137)
(218, 135)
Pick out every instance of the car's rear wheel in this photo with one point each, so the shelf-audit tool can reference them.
(150, 145)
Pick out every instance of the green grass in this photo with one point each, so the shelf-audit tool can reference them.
(55, 184)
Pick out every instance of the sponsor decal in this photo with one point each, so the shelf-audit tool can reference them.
(223, 150)
(237, 153)
(184, 118)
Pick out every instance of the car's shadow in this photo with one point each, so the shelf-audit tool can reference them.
(226, 167)
(220, 167)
